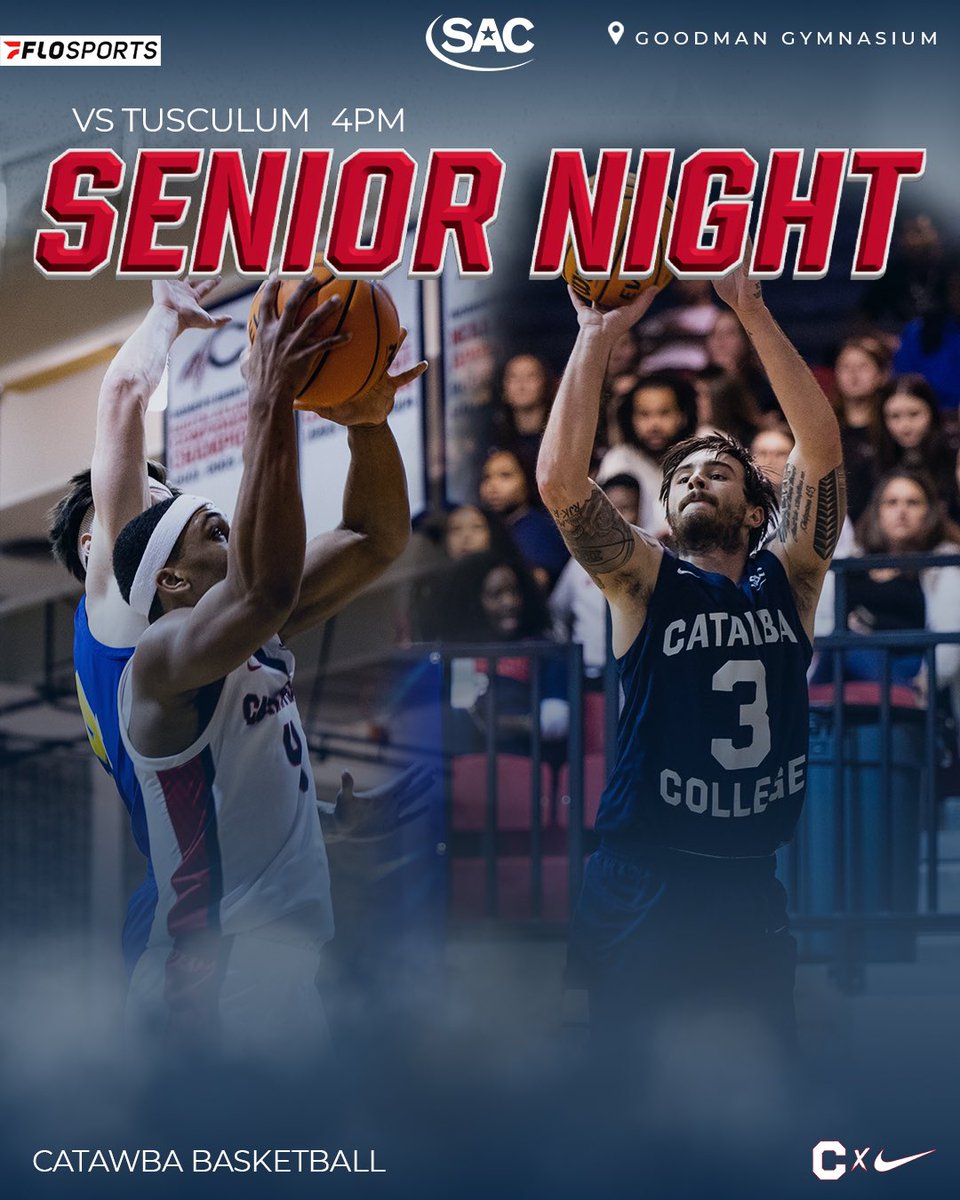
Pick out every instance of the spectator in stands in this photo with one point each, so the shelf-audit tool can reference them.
(729, 348)
(903, 517)
(930, 345)
(661, 411)
(506, 490)
(469, 530)
(770, 449)
(675, 338)
(905, 290)
(621, 378)
(724, 404)
(495, 599)
(862, 372)
(577, 605)
(526, 393)
(448, 536)
(911, 435)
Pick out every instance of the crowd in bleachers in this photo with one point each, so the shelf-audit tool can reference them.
(500, 571)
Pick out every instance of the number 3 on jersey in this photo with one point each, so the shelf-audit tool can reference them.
(753, 716)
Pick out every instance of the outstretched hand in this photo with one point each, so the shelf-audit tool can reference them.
(185, 298)
(614, 321)
(737, 289)
(376, 403)
(376, 812)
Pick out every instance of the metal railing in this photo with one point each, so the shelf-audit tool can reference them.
(848, 925)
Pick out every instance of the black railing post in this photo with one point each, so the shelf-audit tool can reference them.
(536, 758)
(490, 817)
(886, 807)
(611, 698)
(930, 782)
(575, 759)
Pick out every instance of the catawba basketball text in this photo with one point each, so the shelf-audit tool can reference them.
(362, 231)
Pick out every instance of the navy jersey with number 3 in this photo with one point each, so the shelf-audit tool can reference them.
(713, 735)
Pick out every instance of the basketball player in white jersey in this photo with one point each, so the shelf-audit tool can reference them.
(209, 719)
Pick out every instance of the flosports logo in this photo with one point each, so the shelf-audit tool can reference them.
(485, 44)
(79, 50)
(835, 1153)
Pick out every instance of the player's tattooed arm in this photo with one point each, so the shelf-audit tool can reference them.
(812, 514)
(831, 507)
(812, 508)
(604, 544)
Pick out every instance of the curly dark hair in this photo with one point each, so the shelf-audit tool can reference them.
(73, 515)
(757, 488)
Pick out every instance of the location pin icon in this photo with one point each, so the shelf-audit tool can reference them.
(615, 29)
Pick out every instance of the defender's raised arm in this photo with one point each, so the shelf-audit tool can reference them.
(118, 469)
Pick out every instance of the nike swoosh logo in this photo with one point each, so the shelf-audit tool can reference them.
(880, 1165)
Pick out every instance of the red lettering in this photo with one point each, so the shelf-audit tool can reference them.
(883, 170)
(725, 219)
(150, 207)
(94, 216)
(300, 244)
(649, 198)
(344, 253)
(441, 215)
(571, 213)
(228, 208)
(815, 214)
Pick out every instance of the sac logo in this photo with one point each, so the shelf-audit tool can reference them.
(480, 46)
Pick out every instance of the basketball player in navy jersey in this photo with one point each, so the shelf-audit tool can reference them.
(680, 910)
(208, 715)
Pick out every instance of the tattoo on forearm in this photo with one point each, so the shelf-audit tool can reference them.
(831, 505)
(597, 536)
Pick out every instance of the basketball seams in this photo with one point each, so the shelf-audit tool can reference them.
(618, 252)
(375, 358)
(374, 331)
(345, 308)
(597, 290)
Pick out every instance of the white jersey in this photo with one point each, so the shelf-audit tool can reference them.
(235, 837)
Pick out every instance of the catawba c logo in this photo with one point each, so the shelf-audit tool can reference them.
(829, 1160)
(480, 46)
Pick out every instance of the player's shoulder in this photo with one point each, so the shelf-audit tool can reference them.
(155, 643)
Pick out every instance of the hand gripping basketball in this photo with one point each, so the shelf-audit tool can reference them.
(376, 404)
(367, 313)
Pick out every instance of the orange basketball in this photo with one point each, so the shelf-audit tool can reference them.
(615, 291)
(367, 313)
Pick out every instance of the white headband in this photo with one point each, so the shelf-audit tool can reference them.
(159, 548)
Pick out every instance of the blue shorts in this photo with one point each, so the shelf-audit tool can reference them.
(661, 932)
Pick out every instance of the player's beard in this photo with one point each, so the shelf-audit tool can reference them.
(705, 528)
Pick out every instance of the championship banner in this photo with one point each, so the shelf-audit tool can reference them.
(206, 413)
(469, 366)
